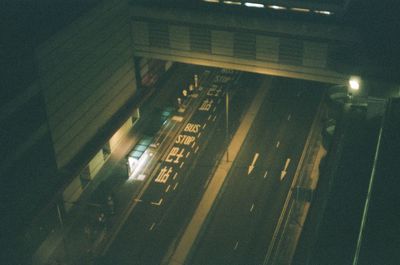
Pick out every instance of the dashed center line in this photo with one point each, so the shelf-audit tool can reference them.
(288, 118)
(236, 245)
(167, 189)
(215, 117)
(277, 144)
(197, 149)
(152, 226)
(266, 173)
(204, 125)
(214, 109)
(175, 175)
(187, 155)
(176, 185)
(198, 136)
(209, 117)
(252, 207)
(181, 165)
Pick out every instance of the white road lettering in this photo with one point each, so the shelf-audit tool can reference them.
(192, 127)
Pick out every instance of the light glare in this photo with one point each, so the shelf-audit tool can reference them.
(257, 5)
(354, 83)
(277, 7)
(232, 3)
(298, 9)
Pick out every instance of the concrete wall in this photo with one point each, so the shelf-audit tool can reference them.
(87, 74)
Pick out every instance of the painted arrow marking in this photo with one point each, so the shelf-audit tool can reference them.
(283, 172)
(251, 167)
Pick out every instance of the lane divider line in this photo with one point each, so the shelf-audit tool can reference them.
(277, 144)
(197, 149)
(288, 118)
(152, 226)
(209, 117)
(236, 245)
(252, 207)
(266, 173)
(176, 185)
(167, 189)
(204, 125)
(175, 175)
(187, 155)
(215, 117)
(182, 164)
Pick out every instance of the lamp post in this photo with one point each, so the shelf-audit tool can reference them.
(227, 122)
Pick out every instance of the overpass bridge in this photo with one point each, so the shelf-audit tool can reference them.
(308, 46)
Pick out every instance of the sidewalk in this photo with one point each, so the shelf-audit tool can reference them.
(81, 235)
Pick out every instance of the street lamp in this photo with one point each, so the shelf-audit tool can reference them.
(354, 83)
(354, 86)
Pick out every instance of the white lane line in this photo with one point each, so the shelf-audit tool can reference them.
(152, 226)
(209, 117)
(266, 173)
(187, 155)
(288, 118)
(157, 203)
(182, 164)
(198, 136)
(197, 149)
(214, 109)
(176, 185)
(277, 144)
(252, 207)
(167, 189)
(175, 175)
(204, 125)
(193, 144)
(236, 245)
(215, 117)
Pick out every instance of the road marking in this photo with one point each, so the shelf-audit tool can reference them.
(214, 109)
(175, 175)
(167, 189)
(138, 200)
(277, 144)
(215, 117)
(209, 117)
(236, 245)
(198, 136)
(152, 226)
(288, 118)
(187, 155)
(204, 125)
(197, 149)
(251, 167)
(157, 203)
(176, 185)
(252, 207)
(284, 171)
(193, 144)
(266, 173)
(182, 164)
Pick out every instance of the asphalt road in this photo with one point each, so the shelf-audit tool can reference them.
(242, 223)
(180, 179)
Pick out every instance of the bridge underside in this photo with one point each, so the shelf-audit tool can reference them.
(281, 48)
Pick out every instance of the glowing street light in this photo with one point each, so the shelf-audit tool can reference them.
(354, 83)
